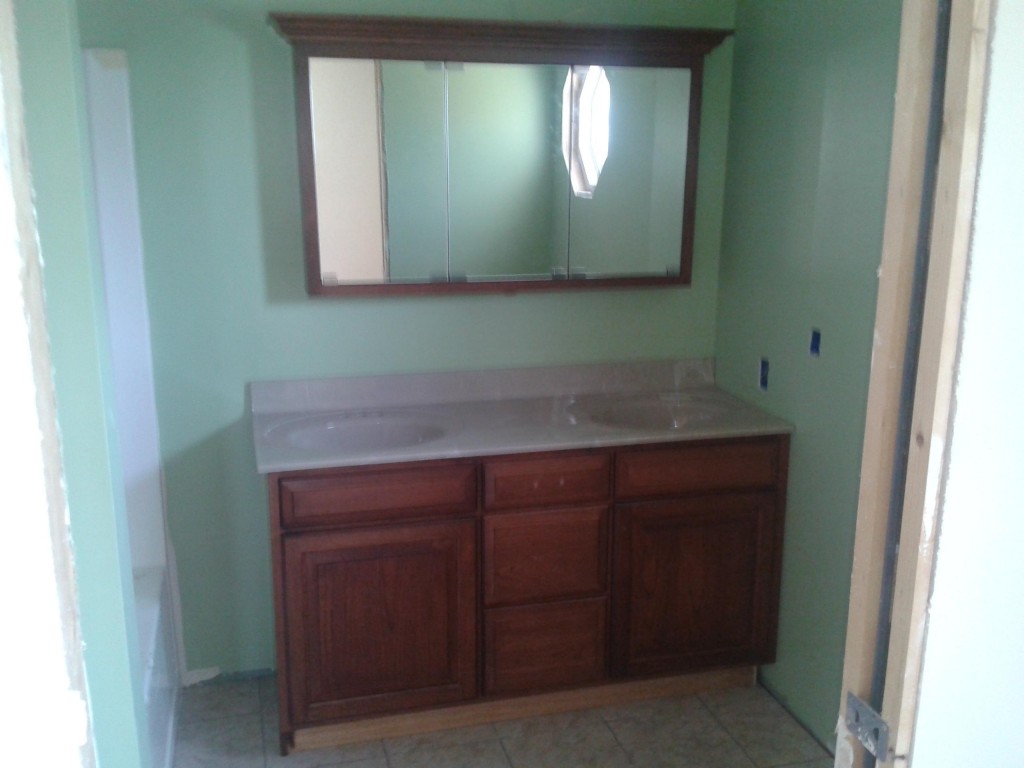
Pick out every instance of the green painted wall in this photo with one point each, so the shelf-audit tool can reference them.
(412, 105)
(805, 200)
(214, 128)
(50, 63)
(632, 222)
(501, 123)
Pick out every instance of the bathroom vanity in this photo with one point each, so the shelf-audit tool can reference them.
(444, 539)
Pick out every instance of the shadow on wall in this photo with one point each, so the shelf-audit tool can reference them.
(220, 529)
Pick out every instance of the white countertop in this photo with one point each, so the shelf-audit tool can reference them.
(357, 421)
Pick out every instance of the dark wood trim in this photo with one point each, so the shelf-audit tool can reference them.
(317, 288)
(775, 594)
(387, 37)
(286, 730)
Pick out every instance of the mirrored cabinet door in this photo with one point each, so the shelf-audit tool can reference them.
(437, 169)
(633, 222)
(509, 189)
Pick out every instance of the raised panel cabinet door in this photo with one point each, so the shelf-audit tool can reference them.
(380, 619)
(693, 583)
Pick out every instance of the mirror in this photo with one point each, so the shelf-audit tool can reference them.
(464, 156)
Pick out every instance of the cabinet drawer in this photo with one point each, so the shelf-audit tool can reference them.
(547, 481)
(696, 468)
(363, 495)
(539, 647)
(542, 555)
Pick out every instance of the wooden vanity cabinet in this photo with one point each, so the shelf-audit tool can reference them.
(376, 590)
(404, 587)
(697, 555)
(545, 571)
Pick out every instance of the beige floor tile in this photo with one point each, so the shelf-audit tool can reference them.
(571, 740)
(679, 733)
(219, 699)
(534, 727)
(478, 754)
(222, 742)
(370, 752)
(657, 710)
(763, 728)
(439, 739)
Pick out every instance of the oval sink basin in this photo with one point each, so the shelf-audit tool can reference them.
(658, 412)
(354, 432)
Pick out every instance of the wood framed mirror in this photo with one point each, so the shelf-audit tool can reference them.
(442, 156)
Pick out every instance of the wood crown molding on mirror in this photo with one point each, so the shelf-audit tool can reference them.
(390, 43)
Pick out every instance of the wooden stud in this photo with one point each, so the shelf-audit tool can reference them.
(950, 246)
(895, 283)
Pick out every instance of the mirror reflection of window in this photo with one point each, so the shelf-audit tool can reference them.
(632, 223)
(586, 108)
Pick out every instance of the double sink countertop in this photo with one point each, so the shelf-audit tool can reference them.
(411, 417)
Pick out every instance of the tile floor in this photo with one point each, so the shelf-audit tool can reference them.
(234, 725)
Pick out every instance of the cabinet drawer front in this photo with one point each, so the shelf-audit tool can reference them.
(695, 468)
(530, 556)
(378, 495)
(547, 481)
(533, 648)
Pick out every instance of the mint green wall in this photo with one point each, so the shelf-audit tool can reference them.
(502, 156)
(215, 138)
(50, 62)
(412, 105)
(632, 222)
(805, 199)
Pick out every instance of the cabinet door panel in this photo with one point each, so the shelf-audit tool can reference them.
(693, 583)
(381, 619)
(540, 647)
(543, 555)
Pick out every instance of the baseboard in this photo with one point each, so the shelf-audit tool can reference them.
(498, 710)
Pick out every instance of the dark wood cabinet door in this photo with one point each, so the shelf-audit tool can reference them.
(380, 619)
(540, 647)
(693, 583)
(545, 555)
